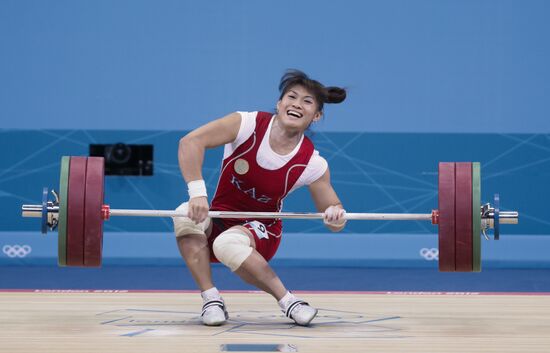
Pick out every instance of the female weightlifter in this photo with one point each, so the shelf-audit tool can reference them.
(266, 156)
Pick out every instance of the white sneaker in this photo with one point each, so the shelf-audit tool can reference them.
(214, 313)
(301, 312)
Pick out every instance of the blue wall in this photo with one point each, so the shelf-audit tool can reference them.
(428, 80)
(411, 66)
(372, 172)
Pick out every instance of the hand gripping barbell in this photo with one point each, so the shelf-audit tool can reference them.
(78, 213)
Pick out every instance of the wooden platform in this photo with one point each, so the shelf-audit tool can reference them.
(122, 321)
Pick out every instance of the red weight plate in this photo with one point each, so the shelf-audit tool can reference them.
(93, 232)
(463, 217)
(75, 211)
(446, 200)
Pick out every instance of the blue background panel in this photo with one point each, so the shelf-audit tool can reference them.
(390, 172)
(427, 80)
(372, 172)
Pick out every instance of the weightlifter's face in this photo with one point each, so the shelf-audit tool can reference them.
(298, 108)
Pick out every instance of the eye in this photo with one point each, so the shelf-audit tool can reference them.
(292, 96)
(308, 101)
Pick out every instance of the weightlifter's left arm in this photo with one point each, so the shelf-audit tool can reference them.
(326, 200)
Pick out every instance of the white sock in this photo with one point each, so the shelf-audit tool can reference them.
(288, 299)
(210, 294)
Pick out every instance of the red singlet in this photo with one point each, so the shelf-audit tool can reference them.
(245, 186)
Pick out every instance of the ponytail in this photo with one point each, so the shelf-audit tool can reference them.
(335, 94)
(293, 77)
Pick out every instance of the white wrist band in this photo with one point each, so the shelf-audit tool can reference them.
(196, 188)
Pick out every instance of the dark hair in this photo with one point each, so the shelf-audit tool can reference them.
(293, 77)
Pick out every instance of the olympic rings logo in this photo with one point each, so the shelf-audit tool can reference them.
(431, 254)
(16, 250)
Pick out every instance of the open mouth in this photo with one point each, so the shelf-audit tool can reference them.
(294, 113)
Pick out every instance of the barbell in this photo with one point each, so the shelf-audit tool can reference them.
(78, 213)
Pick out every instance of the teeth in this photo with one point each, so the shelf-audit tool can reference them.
(293, 113)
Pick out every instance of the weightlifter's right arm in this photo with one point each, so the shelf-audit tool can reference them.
(191, 156)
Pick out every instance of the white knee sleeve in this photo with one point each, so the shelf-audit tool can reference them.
(184, 225)
(232, 248)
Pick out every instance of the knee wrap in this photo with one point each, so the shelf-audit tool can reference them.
(184, 225)
(232, 248)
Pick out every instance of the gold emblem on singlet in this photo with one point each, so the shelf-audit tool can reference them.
(241, 166)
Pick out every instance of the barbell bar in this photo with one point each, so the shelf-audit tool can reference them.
(38, 211)
(78, 213)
